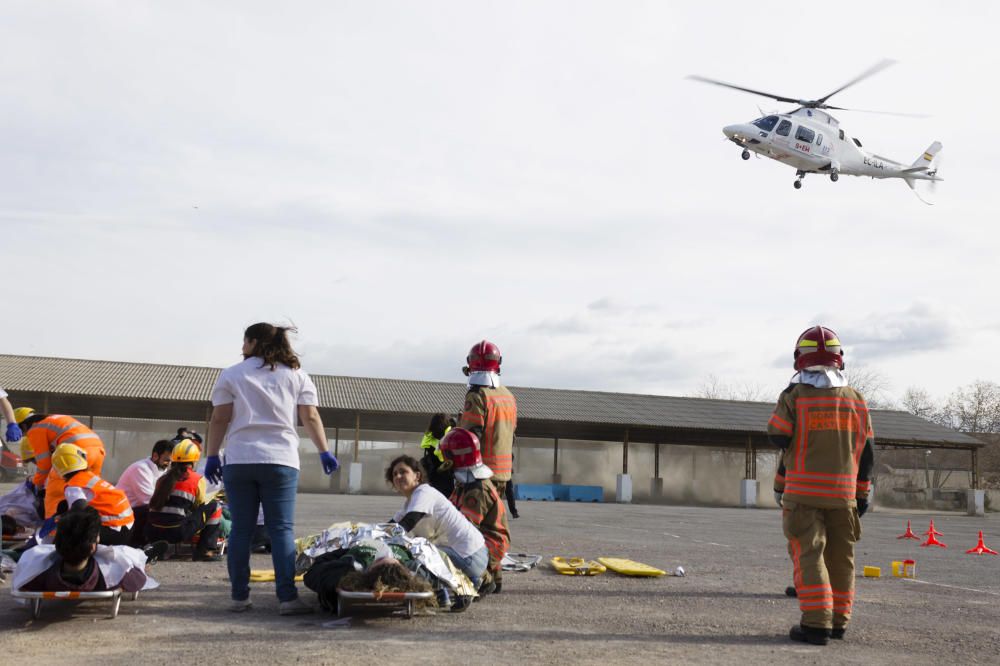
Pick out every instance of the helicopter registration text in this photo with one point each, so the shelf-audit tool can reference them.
(875, 164)
(804, 147)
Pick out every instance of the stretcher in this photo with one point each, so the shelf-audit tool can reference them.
(519, 562)
(267, 576)
(577, 566)
(630, 567)
(349, 602)
(36, 598)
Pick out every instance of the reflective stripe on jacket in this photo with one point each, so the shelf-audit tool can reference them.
(45, 435)
(110, 502)
(492, 414)
(827, 431)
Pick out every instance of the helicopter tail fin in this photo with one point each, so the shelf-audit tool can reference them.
(927, 157)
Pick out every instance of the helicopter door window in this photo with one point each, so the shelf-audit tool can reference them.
(804, 134)
(819, 139)
(767, 123)
(784, 127)
(841, 135)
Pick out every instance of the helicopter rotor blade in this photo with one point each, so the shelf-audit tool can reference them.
(779, 98)
(882, 113)
(871, 71)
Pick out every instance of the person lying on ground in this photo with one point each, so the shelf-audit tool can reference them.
(77, 563)
(84, 487)
(427, 513)
(179, 508)
(478, 500)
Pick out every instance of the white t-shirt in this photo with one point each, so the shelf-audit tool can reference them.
(138, 481)
(3, 394)
(265, 403)
(444, 525)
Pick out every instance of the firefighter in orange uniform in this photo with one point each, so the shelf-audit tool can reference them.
(83, 486)
(46, 432)
(490, 411)
(478, 500)
(825, 431)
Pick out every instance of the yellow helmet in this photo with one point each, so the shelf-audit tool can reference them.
(22, 413)
(69, 458)
(27, 453)
(185, 451)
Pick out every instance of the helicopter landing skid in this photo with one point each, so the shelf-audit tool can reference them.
(799, 175)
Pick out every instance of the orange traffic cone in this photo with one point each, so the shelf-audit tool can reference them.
(931, 531)
(932, 541)
(908, 534)
(981, 548)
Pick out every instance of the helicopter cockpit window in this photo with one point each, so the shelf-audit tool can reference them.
(804, 134)
(767, 123)
(784, 127)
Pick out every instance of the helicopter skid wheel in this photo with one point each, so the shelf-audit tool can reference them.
(745, 155)
(798, 184)
(835, 176)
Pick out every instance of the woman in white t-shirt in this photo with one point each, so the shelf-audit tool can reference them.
(254, 408)
(429, 514)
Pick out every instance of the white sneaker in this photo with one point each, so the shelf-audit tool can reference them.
(294, 607)
(240, 605)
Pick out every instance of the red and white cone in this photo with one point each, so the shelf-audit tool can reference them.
(981, 548)
(932, 541)
(909, 533)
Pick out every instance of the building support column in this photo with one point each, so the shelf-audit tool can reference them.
(656, 486)
(623, 484)
(748, 486)
(556, 476)
(354, 472)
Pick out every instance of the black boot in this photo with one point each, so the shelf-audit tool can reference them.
(838, 633)
(790, 592)
(813, 635)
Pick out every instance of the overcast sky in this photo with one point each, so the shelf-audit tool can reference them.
(403, 179)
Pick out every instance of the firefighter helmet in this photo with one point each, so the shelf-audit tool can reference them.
(21, 413)
(483, 357)
(69, 458)
(818, 345)
(185, 451)
(461, 447)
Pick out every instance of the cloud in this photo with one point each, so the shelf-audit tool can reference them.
(919, 328)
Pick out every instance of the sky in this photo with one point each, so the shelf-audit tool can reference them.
(400, 180)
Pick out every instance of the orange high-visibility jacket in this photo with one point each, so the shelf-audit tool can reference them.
(187, 494)
(52, 431)
(828, 442)
(110, 502)
(491, 413)
(482, 505)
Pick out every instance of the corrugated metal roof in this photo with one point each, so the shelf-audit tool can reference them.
(114, 379)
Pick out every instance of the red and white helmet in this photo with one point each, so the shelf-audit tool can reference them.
(461, 447)
(818, 345)
(483, 357)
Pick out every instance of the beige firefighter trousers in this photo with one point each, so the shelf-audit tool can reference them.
(821, 545)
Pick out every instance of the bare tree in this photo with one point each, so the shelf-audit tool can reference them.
(974, 408)
(919, 402)
(714, 388)
(872, 384)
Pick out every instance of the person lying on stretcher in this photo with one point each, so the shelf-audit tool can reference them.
(77, 563)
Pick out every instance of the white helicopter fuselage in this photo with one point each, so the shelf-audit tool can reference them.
(811, 141)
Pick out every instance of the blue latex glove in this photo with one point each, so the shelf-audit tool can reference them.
(213, 469)
(14, 433)
(330, 464)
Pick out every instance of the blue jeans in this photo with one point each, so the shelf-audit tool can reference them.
(247, 488)
(473, 566)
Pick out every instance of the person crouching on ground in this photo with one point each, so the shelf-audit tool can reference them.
(138, 482)
(76, 563)
(178, 509)
(824, 429)
(427, 513)
(478, 500)
(83, 487)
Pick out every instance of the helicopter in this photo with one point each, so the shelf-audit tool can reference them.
(811, 140)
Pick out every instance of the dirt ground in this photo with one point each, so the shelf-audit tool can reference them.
(729, 608)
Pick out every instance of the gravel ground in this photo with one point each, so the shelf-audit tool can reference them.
(730, 607)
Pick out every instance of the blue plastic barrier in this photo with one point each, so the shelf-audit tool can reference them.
(527, 491)
(548, 492)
